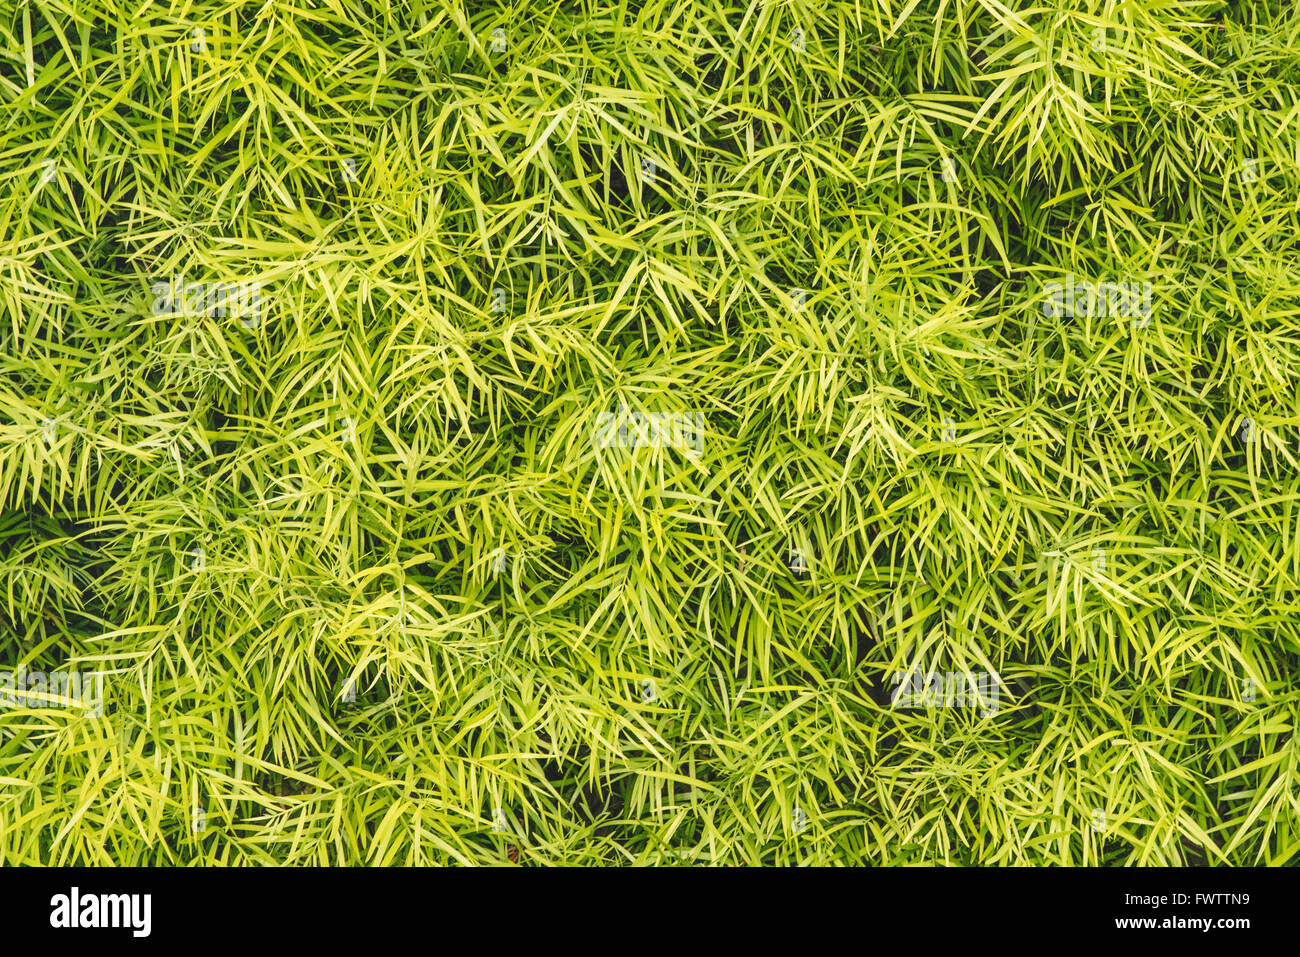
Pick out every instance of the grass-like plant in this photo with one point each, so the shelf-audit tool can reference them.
(366, 587)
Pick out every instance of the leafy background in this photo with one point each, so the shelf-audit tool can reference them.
(350, 466)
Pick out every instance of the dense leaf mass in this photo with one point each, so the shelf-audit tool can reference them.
(614, 433)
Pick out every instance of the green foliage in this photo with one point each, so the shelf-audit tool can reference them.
(388, 480)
